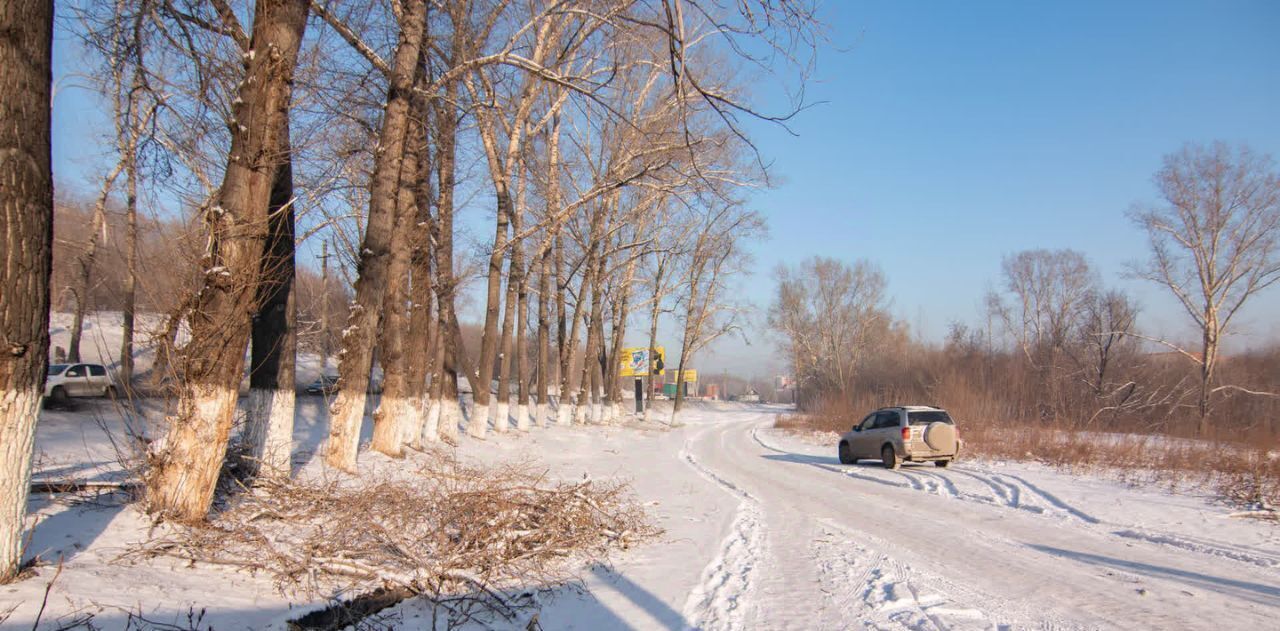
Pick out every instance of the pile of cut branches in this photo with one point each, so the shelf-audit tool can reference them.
(451, 531)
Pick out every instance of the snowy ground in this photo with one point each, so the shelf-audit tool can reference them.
(762, 530)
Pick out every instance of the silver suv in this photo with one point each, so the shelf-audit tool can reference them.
(913, 433)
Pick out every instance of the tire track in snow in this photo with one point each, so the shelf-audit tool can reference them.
(1187, 543)
(1014, 491)
(1054, 500)
(1002, 495)
(933, 483)
(881, 592)
(722, 596)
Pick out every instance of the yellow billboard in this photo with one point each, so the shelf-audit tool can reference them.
(640, 362)
(690, 375)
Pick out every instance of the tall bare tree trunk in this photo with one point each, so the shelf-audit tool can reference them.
(187, 461)
(445, 412)
(1208, 365)
(551, 253)
(397, 409)
(478, 425)
(420, 353)
(86, 261)
(686, 342)
(502, 166)
(570, 397)
(591, 282)
(124, 369)
(544, 338)
(570, 387)
(347, 414)
(272, 385)
(421, 357)
(512, 323)
(679, 400)
(502, 418)
(591, 360)
(450, 400)
(26, 227)
(621, 311)
(522, 346)
(655, 308)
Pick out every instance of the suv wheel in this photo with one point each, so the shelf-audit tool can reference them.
(846, 456)
(888, 457)
(941, 463)
(111, 392)
(58, 395)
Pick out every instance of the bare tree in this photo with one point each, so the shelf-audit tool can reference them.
(1047, 293)
(1105, 332)
(274, 337)
(347, 412)
(1048, 290)
(26, 223)
(397, 408)
(132, 113)
(715, 256)
(187, 462)
(445, 412)
(85, 263)
(824, 311)
(1215, 241)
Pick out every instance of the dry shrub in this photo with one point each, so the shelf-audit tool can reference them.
(451, 533)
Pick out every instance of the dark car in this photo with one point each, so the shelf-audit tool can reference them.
(326, 384)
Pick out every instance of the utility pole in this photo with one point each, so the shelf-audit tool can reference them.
(324, 306)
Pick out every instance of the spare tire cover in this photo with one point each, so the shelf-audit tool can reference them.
(940, 437)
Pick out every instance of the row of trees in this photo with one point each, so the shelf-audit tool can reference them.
(608, 135)
(1060, 346)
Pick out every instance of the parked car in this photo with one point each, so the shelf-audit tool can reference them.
(913, 433)
(328, 384)
(325, 384)
(78, 380)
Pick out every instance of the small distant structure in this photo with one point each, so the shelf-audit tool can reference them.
(750, 396)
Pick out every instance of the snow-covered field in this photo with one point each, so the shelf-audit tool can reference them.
(763, 530)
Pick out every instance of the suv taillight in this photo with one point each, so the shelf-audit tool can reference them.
(906, 434)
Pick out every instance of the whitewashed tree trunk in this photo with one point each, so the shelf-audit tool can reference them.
(186, 464)
(431, 427)
(478, 422)
(502, 419)
(26, 229)
(347, 414)
(450, 418)
(271, 440)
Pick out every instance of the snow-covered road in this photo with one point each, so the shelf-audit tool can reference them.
(762, 530)
(816, 544)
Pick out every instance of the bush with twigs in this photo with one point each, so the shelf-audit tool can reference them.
(451, 533)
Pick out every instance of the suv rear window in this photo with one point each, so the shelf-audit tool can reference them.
(930, 416)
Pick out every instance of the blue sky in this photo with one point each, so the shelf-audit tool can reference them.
(954, 133)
